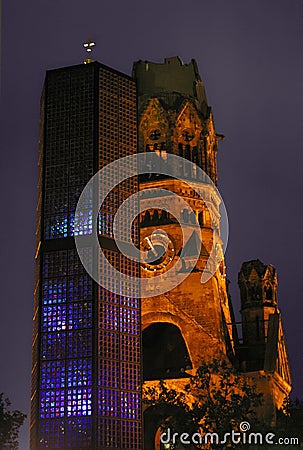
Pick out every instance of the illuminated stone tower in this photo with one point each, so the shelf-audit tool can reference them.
(190, 323)
(262, 353)
(86, 340)
(194, 322)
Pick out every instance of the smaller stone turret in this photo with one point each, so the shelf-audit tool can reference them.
(258, 288)
(262, 353)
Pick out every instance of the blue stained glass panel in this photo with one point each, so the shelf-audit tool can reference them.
(56, 226)
(79, 402)
(129, 321)
(106, 224)
(54, 264)
(52, 433)
(109, 374)
(130, 405)
(130, 302)
(54, 318)
(53, 345)
(53, 375)
(80, 315)
(79, 432)
(109, 316)
(51, 404)
(79, 373)
(79, 343)
(109, 404)
(81, 224)
(80, 288)
(54, 291)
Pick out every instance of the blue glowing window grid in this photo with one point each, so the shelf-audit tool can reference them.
(64, 225)
(109, 374)
(79, 432)
(81, 223)
(79, 343)
(107, 296)
(52, 404)
(53, 318)
(129, 321)
(114, 404)
(80, 315)
(129, 302)
(109, 403)
(130, 435)
(106, 221)
(56, 226)
(52, 433)
(130, 376)
(54, 291)
(109, 432)
(53, 375)
(53, 346)
(108, 344)
(109, 316)
(54, 264)
(75, 266)
(79, 373)
(79, 402)
(130, 405)
(130, 348)
(80, 288)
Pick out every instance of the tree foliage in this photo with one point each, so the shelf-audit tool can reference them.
(10, 423)
(290, 419)
(216, 399)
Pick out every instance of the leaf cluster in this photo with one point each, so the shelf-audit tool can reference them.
(216, 399)
(290, 419)
(10, 423)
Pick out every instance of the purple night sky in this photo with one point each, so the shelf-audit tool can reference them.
(250, 58)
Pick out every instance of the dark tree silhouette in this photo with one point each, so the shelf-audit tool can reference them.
(215, 400)
(10, 423)
(290, 419)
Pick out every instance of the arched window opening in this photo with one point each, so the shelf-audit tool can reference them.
(165, 354)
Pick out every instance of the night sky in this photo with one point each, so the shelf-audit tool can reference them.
(250, 57)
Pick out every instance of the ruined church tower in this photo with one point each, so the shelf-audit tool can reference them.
(190, 323)
(193, 321)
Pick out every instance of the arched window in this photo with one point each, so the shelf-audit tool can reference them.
(268, 292)
(165, 354)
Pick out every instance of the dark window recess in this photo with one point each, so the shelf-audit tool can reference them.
(165, 354)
